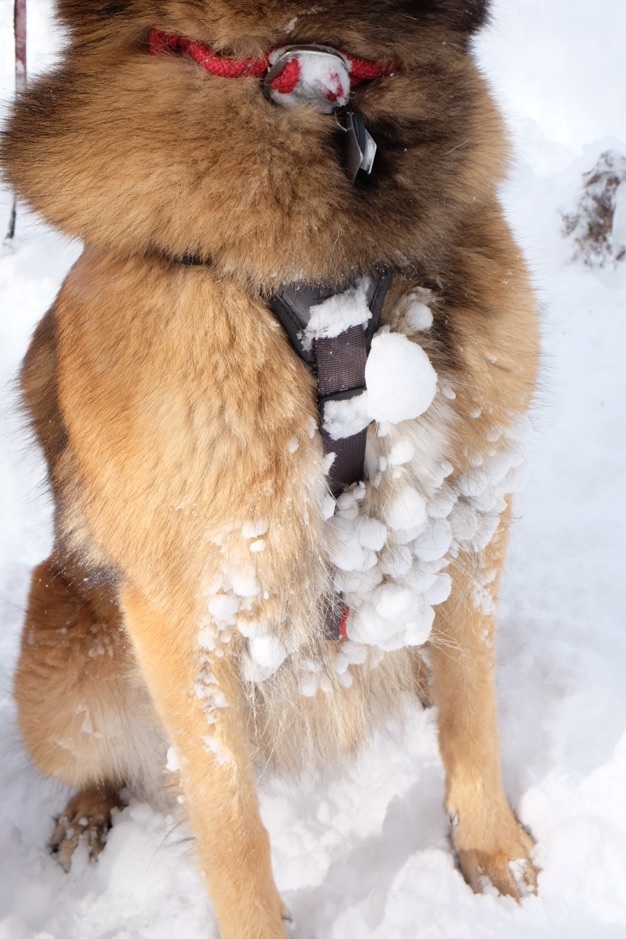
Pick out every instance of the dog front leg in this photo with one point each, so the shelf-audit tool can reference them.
(488, 839)
(199, 699)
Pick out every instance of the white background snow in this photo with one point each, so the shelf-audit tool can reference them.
(367, 856)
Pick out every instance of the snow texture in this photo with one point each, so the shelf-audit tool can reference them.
(338, 313)
(344, 418)
(368, 855)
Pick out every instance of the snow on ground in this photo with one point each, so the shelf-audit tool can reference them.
(368, 855)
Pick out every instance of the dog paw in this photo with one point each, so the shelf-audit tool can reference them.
(87, 819)
(506, 864)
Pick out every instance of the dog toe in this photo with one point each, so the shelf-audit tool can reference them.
(510, 870)
(498, 856)
(87, 820)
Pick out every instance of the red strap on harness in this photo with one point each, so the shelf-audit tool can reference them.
(361, 70)
(343, 623)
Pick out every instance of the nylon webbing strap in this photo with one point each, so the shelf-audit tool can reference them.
(339, 366)
(338, 363)
(341, 375)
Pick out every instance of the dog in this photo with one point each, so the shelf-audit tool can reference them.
(253, 563)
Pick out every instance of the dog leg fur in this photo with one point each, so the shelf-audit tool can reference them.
(488, 838)
(216, 770)
(82, 708)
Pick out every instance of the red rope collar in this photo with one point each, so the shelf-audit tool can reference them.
(361, 70)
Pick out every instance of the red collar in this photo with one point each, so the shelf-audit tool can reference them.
(361, 70)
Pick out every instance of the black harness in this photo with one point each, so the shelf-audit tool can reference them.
(338, 363)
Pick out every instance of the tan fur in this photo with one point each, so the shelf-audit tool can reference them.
(167, 402)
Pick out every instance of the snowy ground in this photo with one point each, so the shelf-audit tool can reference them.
(368, 856)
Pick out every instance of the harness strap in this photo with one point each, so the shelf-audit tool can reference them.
(338, 363)
(339, 366)
(341, 375)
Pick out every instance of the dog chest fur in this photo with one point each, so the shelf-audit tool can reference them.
(205, 422)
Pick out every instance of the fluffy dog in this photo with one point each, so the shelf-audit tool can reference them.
(212, 156)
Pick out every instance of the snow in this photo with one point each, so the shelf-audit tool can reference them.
(368, 854)
(346, 416)
(418, 316)
(267, 651)
(172, 762)
(254, 529)
(400, 380)
(407, 509)
(338, 313)
(391, 585)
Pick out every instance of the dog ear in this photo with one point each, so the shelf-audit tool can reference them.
(86, 14)
(463, 15)
(473, 14)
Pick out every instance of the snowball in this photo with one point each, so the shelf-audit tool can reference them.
(406, 509)
(442, 503)
(474, 483)
(223, 607)
(267, 651)
(371, 533)
(244, 582)
(464, 521)
(488, 525)
(396, 560)
(207, 638)
(418, 316)
(418, 578)
(404, 536)
(401, 382)
(434, 542)
(417, 632)
(252, 627)
(346, 500)
(401, 452)
(440, 590)
(359, 583)
(394, 602)
(345, 679)
(346, 551)
(366, 626)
